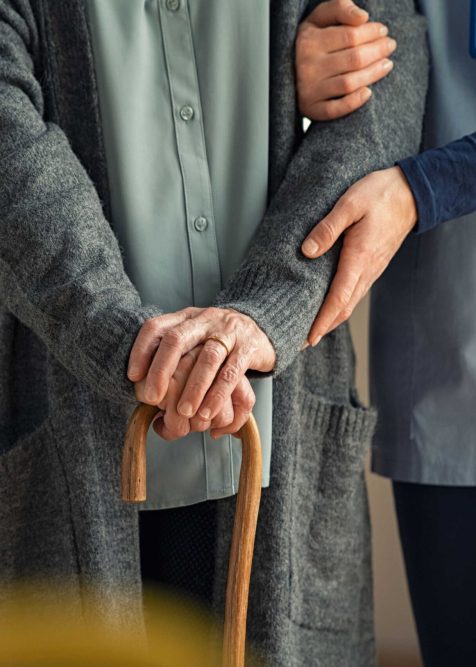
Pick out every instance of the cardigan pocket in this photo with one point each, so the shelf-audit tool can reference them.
(330, 543)
(36, 532)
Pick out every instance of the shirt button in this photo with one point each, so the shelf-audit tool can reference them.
(200, 223)
(187, 113)
(172, 5)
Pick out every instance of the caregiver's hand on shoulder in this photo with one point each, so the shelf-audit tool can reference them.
(339, 53)
(375, 215)
(214, 374)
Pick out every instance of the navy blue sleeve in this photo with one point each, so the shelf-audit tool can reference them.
(443, 181)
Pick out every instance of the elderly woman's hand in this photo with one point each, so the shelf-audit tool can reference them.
(339, 54)
(375, 215)
(213, 376)
(170, 424)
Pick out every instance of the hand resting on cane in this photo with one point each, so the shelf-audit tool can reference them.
(178, 364)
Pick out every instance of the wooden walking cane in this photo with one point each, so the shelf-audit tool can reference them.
(133, 489)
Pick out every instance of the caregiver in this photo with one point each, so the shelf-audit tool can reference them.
(423, 330)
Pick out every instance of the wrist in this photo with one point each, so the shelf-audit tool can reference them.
(407, 202)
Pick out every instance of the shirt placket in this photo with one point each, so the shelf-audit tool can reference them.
(201, 230)
(191, 148)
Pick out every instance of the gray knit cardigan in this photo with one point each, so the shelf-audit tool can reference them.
(69, 315)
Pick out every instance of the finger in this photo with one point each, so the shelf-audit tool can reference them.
(199, 425)
(243, 399)
(165, 433)
(358, 57)
(340, 293)
(359, 293)
(339, 37)
(201, 378)
(226, 381)
(175, 342)
(323, 236)
(337, 11)
(225, 417)
(176, 423)
(147, 340)
(344, 84)
(332, 109)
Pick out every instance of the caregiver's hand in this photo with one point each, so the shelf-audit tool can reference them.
(339, 53)
(375, 214)
(163, 341)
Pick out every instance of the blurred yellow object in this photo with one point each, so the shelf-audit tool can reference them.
(34, 634)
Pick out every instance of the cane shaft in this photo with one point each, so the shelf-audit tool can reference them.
(133, 489)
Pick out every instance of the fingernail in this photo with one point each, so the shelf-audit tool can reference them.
(387, 65)
(310, 247)
(304, 346)
(365, 94)
(186, 409)
(356, 11)
(392, 44)
(383, 31)
(133, 370)
(315, 341)
(205, 413)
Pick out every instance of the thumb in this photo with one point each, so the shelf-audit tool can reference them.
(327, 231)
(334, 12)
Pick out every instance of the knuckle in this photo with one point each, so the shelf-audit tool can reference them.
(342, 298)
(230, 373)
(346, 313)
(346, 84)
(151, 326)
(195, 389)
(209, 313)
(212, 355)
(327, 232)
(349, 36)
(173, 337)
(219, 396)
(354, 59)
(350, 201)
(249, 402)
(306, 40)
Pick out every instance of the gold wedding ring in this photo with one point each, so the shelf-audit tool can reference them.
(222, 342)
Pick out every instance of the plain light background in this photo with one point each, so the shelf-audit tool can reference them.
(396, 638)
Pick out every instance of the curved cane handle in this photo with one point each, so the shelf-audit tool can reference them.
(133, 489)
(134, 460)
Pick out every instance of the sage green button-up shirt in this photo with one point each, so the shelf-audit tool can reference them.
(183, 93)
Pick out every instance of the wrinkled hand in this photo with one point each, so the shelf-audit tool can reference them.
(375, 214)
(339, 53)
(202, 384)
(170, 424)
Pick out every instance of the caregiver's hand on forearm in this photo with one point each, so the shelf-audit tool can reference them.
(375, 215)
(339, 53)
(163, 341)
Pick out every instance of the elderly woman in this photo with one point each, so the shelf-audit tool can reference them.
(423, 331)
(135, 146)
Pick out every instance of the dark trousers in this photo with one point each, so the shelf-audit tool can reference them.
(438, 534)
(177, 550)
